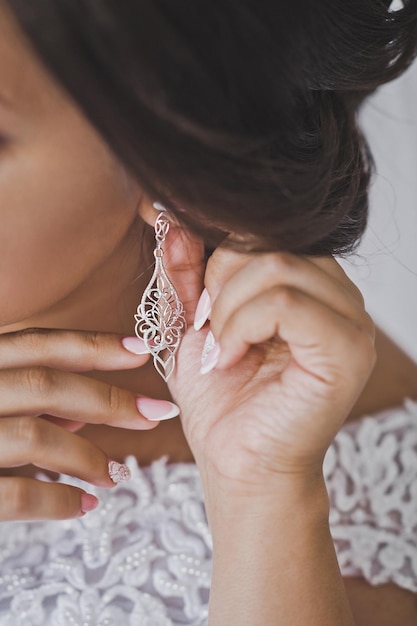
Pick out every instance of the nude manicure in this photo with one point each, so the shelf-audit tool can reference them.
(135, 345)
(210, 355)
(203, 310)
(157, 410)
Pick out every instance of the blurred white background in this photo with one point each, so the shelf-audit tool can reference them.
(385, 265)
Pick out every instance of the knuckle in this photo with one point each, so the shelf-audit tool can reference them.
(92, 342)
(278, 264)
(284, 296)
(34, 340)
(114, 400)
(30, 432)
(39, 380)
(18, 497)
(69, 502)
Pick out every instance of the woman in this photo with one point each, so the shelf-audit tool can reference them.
(250, 143)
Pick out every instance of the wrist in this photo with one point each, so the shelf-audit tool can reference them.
(271, 550)
(255, 474)
(236, 504)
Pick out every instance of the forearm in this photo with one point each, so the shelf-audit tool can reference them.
(274, 562)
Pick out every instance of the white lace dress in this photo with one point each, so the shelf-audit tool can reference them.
(143, 557)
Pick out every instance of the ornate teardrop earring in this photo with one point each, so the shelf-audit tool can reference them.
(160, 320)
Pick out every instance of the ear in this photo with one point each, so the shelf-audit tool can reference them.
(146, 210)
(184, 258)
(149, 210)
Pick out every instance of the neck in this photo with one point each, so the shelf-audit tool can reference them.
(107, 299)
(106, 302)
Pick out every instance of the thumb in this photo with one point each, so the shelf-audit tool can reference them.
(185, 265)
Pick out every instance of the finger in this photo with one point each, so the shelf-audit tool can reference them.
(317, 336)
(31, 440)
(224, 263)
(30, 499)
(221, 266)
(185, 266)
(68, 350)
(265, 272)
(42, 390)
(70, 425)
(332, 267)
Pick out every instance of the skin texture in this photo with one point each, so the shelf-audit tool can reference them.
(59, 184)
(73, 221)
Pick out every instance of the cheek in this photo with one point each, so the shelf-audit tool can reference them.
(64, 207)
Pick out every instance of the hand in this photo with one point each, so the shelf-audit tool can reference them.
(296, 348)
(37, 378)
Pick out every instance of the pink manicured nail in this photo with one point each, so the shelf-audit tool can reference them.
(157, 410)
(203, 310)
(135, 345)
(88, 502)
(210, 355)
(118, 471)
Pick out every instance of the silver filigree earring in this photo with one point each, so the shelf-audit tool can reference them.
(160, 320)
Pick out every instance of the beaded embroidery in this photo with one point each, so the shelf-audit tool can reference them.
(144, 555)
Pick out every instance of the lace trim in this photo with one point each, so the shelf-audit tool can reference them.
(144, 555)
(371, 474)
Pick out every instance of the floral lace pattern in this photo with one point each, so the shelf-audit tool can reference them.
(371, 475)
(144, 555)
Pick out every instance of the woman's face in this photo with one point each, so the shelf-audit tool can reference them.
(66, 203)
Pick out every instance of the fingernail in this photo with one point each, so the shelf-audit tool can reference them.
(157, 410)
(118, 471)
(203, 310)
(135, 345)
(210, 355)
(88, 502)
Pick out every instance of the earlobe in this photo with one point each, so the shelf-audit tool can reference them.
(147, 211)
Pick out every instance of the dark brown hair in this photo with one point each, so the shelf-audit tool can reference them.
(244, 111)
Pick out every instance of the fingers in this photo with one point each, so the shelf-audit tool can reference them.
(322, 279)
(38, 390)
(30, 499)
(317, 335)
(29, 384)
(80, 351)
(25, 440)
(32, 440)
(306, 302)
